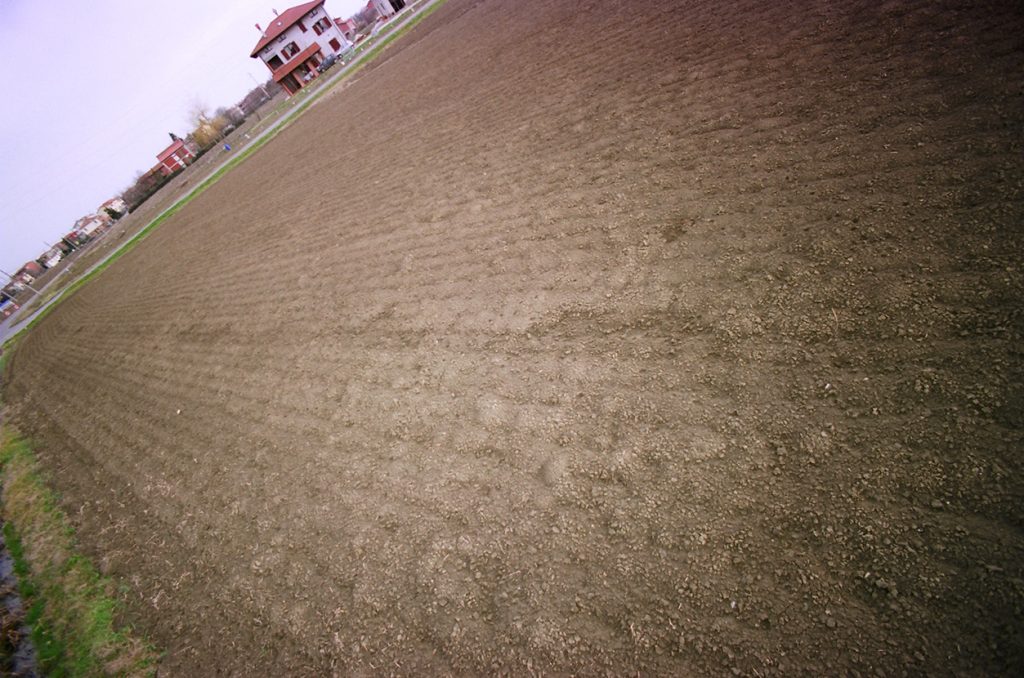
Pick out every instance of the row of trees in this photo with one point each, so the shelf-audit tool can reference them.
(145, 185)
(208, 129)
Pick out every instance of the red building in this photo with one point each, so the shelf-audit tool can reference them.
(175, 157)
(347, 27)
(29, 271)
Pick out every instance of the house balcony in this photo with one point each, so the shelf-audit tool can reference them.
(286, 76)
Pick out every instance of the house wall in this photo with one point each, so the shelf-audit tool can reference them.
(174, 157)
(383, 7)
(174, 162)
(91, 227)
(304, 40)
(347, 27)
(32, 268)
(115, 204)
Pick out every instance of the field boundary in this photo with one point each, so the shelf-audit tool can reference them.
(68, 605)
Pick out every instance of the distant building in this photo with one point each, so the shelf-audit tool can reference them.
(296, 41)
(29, 272)
(72, 240)
(7, 304)
(51, 257)
(66, 246)
(257, 97)
(175, 157)
(90, 225)
(10, 292)
(25, 276)
(347, 28)
(386, 8)
(116, 204)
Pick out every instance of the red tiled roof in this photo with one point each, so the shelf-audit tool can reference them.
(166, 153)
(283, 22)
(294, 62)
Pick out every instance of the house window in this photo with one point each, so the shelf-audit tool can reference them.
(275, 62)
(290, 50)
(320, 26)
(335, 45)
(302, 27)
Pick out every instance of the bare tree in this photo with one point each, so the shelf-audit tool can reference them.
(233, 114)
(365, 17)
(258, 96)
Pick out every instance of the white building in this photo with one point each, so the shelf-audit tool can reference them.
(116, 204)
(52, 257)
(89, 225)
(296, 41)
(387, 8)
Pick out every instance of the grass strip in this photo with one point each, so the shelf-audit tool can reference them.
(68, 605)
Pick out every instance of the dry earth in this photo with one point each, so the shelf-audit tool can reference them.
(580, 337)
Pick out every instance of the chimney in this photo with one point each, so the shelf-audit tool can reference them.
(259, 29)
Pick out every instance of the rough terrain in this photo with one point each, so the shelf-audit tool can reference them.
(579, 337)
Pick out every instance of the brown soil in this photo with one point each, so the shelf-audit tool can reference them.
(670, 338)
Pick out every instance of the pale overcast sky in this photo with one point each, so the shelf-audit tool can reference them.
(96, 88)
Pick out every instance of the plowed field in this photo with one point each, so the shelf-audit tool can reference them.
(579, 337)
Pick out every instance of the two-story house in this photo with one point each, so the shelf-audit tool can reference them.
(296, 41)
(175, 157)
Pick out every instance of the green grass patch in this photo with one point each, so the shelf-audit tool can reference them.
(68, 604)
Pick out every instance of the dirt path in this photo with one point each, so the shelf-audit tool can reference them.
(579, 338)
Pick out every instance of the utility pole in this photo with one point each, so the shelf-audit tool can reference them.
(266, 96)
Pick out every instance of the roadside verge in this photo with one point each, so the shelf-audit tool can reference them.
(67, 605)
